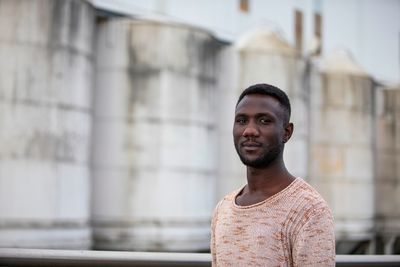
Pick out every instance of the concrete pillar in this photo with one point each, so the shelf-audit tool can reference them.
(387, 183)
(341, 153)
(45, 121)
(154, 149)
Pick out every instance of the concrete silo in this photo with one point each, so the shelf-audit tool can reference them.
(387, 183)
(262, 56)
(45, 120)
(154, 136)
(341, 150)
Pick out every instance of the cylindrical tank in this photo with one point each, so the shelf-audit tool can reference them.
(387, 185)
(154, 136)
(262, 56)
(341, 151)
(231, 173)
(45, 120)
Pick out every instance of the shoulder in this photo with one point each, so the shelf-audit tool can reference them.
(313, 238)
(307, 194)
(308, 203)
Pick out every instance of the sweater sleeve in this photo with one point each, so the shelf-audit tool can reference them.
(212, 243)
(315, 242)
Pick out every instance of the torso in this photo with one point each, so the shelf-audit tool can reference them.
(261, 234)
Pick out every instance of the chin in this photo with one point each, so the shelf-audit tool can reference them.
(259, 162)
(255, 163)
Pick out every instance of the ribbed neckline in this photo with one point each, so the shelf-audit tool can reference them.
(272, 198)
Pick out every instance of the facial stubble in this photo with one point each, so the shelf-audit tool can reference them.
(265, 160)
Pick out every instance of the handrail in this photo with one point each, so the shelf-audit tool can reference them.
(367, 260)
(46, 257)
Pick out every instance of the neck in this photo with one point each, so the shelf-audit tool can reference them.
(263, 183)
(269, 180)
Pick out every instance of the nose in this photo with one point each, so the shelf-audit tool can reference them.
(250, 130)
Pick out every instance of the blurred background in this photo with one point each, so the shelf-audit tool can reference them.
(116, 116)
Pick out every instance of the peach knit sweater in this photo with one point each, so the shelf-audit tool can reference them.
(292, 228)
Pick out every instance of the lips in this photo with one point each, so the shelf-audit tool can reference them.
(251, 145)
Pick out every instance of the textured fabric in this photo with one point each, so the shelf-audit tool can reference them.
(292, 228)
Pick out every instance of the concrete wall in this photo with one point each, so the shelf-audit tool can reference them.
(387, 183)
(341, 152)
(231, 171)
(45, 120)
(154, 136)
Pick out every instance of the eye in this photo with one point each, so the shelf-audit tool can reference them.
(240, 120)
(264, 120)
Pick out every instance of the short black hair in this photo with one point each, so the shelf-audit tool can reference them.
(269, 90)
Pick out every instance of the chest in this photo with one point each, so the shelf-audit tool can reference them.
(253, 236)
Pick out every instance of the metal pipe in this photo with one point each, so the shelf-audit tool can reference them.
(46, 257)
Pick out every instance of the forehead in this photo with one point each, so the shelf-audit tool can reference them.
(257, 103)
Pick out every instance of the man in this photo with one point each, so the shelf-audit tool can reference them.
(276, 219)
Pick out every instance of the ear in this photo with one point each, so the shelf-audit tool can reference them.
(288, 132)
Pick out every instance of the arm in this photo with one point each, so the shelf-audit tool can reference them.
(315, 242)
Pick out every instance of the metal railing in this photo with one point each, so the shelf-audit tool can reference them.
(45, 257)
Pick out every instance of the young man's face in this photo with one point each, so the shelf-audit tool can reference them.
(260, 130)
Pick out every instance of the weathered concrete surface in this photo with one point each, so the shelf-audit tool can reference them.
(341, 152)
(154, 151)
(231, 172)
(45, 119)
(387, 183)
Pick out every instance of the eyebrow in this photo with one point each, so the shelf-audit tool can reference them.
(255, 115)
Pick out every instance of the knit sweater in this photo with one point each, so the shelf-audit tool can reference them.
(291, 228)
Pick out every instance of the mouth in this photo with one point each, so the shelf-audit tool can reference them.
(250, 146)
